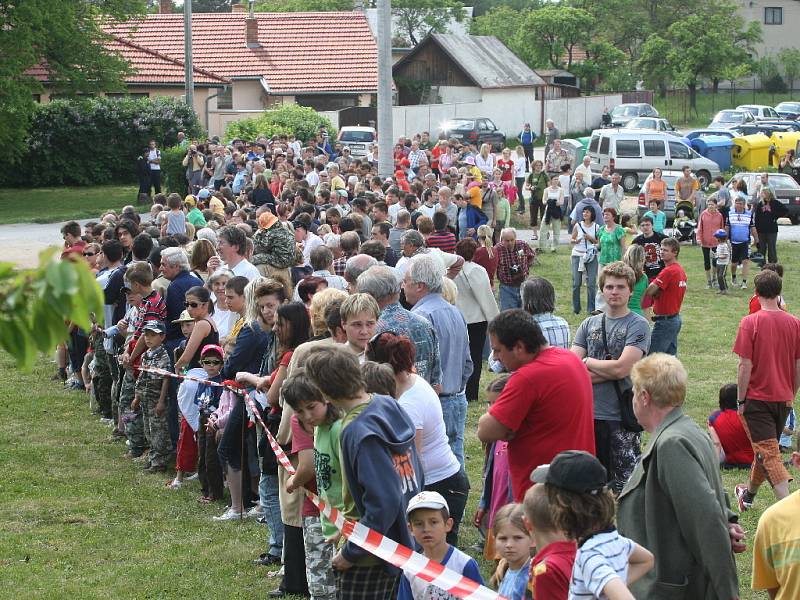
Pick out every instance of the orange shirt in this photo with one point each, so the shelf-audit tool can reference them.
(657, 189)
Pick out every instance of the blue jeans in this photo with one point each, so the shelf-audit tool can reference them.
(665, 336)
(591, 284)
(268, 497)
(454, 411)
(509, 297)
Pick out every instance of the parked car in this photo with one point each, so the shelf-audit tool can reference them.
(788, 110)
(761, 127)
(476, 131)
(622, 114)
(358, 139)
(729, 119)
(653, 124)
(787, 123)
(669, 177)
(787, 190)
(635, 153)
(760, 111)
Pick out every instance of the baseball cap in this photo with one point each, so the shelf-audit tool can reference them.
(190, 200)
(156, 326)
(433, 500)
(574, 471)
(203, 194)
(209, 348)
(719, 233)
(184, 318)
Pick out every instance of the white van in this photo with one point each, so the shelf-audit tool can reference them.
(635, 153)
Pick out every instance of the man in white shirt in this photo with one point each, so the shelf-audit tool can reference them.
(311, 175)
(612, 194)
(586, 169)
(305, 238)
(154, 160)
(232, 247)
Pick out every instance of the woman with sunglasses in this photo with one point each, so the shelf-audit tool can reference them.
(443, 473)
(90, 254)
(200, 307)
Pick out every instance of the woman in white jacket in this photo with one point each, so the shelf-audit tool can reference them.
(477, 303)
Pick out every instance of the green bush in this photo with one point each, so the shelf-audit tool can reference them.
(775, 85)
(290, 119)
(96, 140)
(172, 171)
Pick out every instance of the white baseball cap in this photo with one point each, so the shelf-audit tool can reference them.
(432, 500)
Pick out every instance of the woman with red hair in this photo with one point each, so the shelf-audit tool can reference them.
(443, 472)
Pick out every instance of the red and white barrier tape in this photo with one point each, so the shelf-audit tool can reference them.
(402, 557)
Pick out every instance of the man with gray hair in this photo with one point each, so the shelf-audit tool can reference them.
(422, 284)
(413, 244)
(381, 283)
(447, 206)
(514, 261)
(355, 266)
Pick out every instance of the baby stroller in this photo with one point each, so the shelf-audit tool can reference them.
(684, 223)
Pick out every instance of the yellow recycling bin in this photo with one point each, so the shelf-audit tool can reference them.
(751, 152)
(784, 141)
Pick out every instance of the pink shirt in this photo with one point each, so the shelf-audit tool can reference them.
(499, 480)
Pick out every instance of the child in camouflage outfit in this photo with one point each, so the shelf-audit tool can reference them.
(150, 395)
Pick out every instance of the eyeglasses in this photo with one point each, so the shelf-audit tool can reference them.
(90, 253)
(192, 304)
(210, 362)
(373, 342)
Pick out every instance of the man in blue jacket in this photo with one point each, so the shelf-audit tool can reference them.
(381, 470)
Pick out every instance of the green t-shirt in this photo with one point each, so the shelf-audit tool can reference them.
(503, 214)
(328, 467)
(635, 302)
(610, 247)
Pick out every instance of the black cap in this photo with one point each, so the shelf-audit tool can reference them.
(573, 470)
(156, 326)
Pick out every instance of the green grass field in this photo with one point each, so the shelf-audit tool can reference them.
(675, 106)
(77, 519)
(51, 205)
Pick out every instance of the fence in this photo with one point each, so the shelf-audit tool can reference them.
(676, 105)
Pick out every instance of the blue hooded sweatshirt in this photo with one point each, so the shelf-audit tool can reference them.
(383, 471)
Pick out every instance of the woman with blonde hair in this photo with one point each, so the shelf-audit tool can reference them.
(486, 255)
(485, 161)
(634, 258)
(202, 250)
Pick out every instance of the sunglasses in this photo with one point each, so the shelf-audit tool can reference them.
(210, 362)
(192, 304)
(90, 253)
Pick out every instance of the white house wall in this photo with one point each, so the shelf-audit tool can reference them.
(456, 93)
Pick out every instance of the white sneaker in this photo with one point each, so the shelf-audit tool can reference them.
(193, 477)
(230, 515)
(256, 511)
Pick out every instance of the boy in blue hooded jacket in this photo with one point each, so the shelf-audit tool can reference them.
(381, 469)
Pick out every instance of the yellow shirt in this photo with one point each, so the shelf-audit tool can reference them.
(776, 550)
(337, 183)
(216, 206)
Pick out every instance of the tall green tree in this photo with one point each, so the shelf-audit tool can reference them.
(556, 31)
(67, 37)
(651, 64)
(790, 61)
(302, 5)
(417, 18)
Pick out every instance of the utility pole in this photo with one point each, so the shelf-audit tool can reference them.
(385, 136)
(187, 53)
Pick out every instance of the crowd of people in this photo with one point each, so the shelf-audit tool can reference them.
(359, 313)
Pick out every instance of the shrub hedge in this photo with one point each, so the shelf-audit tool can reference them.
(95, 140)
(290, 119)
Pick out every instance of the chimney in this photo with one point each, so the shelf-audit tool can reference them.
(251, 32)
(237, 8)
(165, 7)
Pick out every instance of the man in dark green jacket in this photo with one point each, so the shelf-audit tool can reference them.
(674, 503)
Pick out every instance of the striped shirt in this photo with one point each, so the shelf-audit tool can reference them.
(152, 308)
(600, 559)
(443, 240)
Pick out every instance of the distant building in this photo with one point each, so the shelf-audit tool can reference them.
(779, 19)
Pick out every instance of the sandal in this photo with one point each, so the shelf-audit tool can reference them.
(175, 484)
(205, 499)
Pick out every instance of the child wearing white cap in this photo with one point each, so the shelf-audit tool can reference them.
(429, 521)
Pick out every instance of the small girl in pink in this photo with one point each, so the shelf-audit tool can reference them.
(496, 479)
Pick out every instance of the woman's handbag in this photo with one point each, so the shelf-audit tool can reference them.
(627, 416)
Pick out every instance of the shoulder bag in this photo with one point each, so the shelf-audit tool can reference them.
(627, 416)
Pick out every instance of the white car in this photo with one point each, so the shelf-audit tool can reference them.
(653, 124)
(760, 112)
(358, 139)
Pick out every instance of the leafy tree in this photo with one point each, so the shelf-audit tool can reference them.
(418, 18)
(651, 64)
(556, 31)
(604, 64)
(481, 7)
(303, 5)
(211, 6)
(35, 305)
(505, 23)
(67, 36)
(301, 121)
(790, 60)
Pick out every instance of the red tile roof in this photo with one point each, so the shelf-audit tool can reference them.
(325, 52)
(150, 67)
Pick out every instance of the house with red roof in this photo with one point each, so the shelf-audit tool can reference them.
(246, 63)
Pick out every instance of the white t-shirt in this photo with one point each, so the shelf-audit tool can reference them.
(154, 155)
(312, 177)
(427, 210)
(587, 173)
(245, 269)
(424, 409)
(600, 559)
(579, 249)
(519, 167)
(393, 210)
(564, 181)
(312, 241)
(224, 320)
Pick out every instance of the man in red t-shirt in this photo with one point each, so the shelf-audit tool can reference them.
(755, 305)
(546, 406)
(668, 289)
(768, 346)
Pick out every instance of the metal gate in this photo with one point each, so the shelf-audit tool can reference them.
(358, 115)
